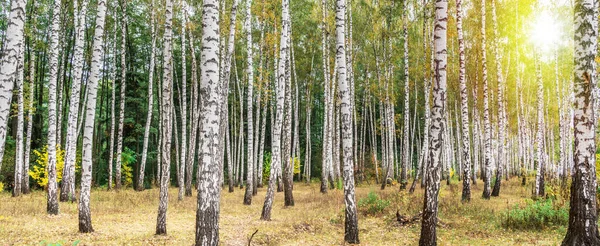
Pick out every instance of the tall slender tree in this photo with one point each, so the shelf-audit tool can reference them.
(501, 161)
(19, 164)
(184, 107)
(406, 143)
(277, 156)
(464, 107)
(123, 80)
(209, 191)
(140, 181)
(12, 45)
(327, 151)
(67, 192)
(351, 217)
(85, 217)
(438, 126)
(250, 74)
(539, 140)
(166, 112)
(583, 214)
(52, 206)
(487, 177)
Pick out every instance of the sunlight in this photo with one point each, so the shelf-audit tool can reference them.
(545, 32)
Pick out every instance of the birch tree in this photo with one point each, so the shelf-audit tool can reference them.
(406, 143)
(539, 140)
(250, 74)
(277, 157)
(351, 218)
(19, 164)
(209, 191)
(583, 214)
(327, 151)
(501, 162)
(166, 112)
(140, 181)
(438, 112)
(12, 45)
(464, 107)
(67, 192)
(184, 108)
(487, 177)
(123, 79)
(85, 217)
(52, 206)
(25, 184)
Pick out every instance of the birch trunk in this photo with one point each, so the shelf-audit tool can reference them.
(52, 206)
(288, 168)
(250, 97)
(85, 218)
(19, 166)
(464, 107)
(192, 146)
(430, 205)
(12, 45)
(184, 108)
(225, 74)
(539, 157)
(501, 111)
(327, 152)
(406, 142)
(112, 108)
(122, 98)
(25, 184)
(583, 216)
(166, 113)
(67, 192)
(140, 181)
(209, 192)
(351, 217)
(487, 177)
(279, 114)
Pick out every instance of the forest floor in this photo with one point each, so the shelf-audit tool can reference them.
(129, 217)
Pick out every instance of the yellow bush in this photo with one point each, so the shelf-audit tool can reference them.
(1, 186)
(296, 165)
(39, 172)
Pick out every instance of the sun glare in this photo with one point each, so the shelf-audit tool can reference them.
(545, 32)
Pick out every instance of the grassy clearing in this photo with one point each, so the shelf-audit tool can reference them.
(129, 217)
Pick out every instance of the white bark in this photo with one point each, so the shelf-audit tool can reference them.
(52, 206)
(17, 188)
(67, 192)
(487, 178)
(13, 43)
(277, 157)
(209, 192)
(166, 113)
(140, 182)
(250, 98)
(184, 108)
(122, 98)
(438, 126)
(464, 108)
(351, 217)
(85, 220)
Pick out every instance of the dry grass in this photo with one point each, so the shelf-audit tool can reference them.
(129, 217)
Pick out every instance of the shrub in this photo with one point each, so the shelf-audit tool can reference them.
(128, 157)
(536, 215)
(266, 167)
(372, 204)
(1, 186)
(296, 162)
(38, 172)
